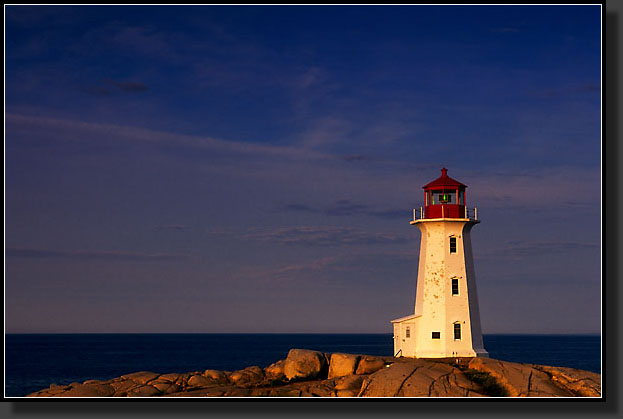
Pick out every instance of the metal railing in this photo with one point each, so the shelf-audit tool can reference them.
(475, 210)
(419, 214)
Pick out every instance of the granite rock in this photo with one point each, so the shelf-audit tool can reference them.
(306, 373)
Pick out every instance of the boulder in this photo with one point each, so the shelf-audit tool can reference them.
(275, 371)
(450, 382)
(218, 376)
(349, 382)
(321, 388)
(171, 377)
(248, 375)
(418, 378)
(237, 392)
(369, 364)
(580, 382)
(347, 393)
(88, 390)
(199, 381)
(122, 386)
(144, 391)
(342, 364)
(388, 381)
(165, 387)
(309, 371)
(213, 392)
(519, 380)
(141, 377)
(260, 392)
(284, 392)
(304, 364)
(182, 379)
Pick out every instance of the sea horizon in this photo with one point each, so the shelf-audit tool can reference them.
(33, 361)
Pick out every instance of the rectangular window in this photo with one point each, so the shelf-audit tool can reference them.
(455, 286)
(452, 244)
(457, 331)
(436, 335)
(408, 332)
(444, 197)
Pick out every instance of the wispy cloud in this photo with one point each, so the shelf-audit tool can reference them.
(568, 90)
(542, 188)
(326, 130)
(296, 207)
(144, 40)
(347, 208)
(523, 247)
(354, 157)
(517, 250)
(173, 227)
(32, 253)
(321, 269)
(63, 130)
(315, 236)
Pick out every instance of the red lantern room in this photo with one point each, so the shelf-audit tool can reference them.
(444, 197)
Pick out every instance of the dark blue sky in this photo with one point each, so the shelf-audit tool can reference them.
(253, 169)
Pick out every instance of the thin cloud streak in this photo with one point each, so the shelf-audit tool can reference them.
(348, 208)
(147, 136)
(314, 236)
(110, 255)
(544, 188)
(517, 250)
(318, 269)
(171, 227)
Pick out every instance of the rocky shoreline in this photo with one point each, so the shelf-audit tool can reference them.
(306, 373)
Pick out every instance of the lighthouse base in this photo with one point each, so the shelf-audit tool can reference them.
(413, 341)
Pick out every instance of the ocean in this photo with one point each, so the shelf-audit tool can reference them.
(34, 361)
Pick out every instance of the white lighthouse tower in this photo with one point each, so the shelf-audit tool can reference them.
(446, 322)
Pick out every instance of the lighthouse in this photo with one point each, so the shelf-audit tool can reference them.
(446, 321)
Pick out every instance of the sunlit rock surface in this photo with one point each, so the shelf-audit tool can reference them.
(306, 373)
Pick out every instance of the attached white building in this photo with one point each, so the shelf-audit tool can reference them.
(446, 321)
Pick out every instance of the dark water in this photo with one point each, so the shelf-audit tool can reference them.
(34, 361)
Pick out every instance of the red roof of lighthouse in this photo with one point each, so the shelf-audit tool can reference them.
(443, 181)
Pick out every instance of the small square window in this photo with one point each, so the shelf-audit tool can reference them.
(452, 244)
(436, 335)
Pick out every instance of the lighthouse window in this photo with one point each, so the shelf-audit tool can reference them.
(443, 197)
(457, 331)
(408, 332)
(455, 286)
(436, 335)
(452, 244)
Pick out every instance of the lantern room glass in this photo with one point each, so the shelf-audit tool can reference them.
(443, 196)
